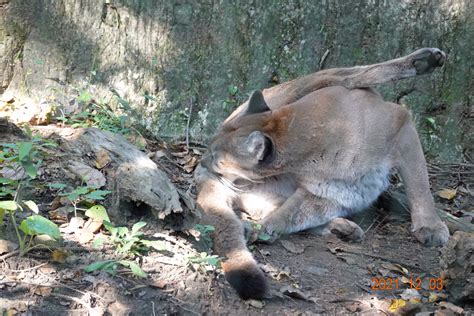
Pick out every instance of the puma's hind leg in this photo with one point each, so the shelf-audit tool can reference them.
(427, 227)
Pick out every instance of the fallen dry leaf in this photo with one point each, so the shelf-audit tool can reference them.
(43, 290)
(292, 247)
(447, 194)
(75, 224)
(59, 256)
(409, 294)
(61, 214)
(158, 154)
(396, 304)
(93, 225)
(432, 298)
(84, 236)
(452, 307)
(102, 159)
(294, 293)
(7, 246)
(47, 269)
(190, 165)
(256, 304)
(395, 267)
(93, 177)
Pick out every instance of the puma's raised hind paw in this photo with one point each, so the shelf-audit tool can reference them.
(425, 60)
(433, 235)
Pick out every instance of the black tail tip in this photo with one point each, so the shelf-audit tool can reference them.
(249, 282)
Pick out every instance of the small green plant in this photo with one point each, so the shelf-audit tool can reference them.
(131, 242)
(31, 226)
(98, 114)
(208, 261)
(204, 237)
(25, 155)
(111, 267)
(260, 236)
(129, 245)
(81, 195)
(205, 259)
(16, 157)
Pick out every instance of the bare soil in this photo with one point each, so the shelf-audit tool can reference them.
(309, 274)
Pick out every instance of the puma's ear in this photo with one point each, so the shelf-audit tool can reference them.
(257, 103)
(258, 145)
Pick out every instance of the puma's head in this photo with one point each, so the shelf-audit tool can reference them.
(242, 145)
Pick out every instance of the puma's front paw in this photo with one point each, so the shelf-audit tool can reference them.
(425, 60)
(255, 232)
(432, 235)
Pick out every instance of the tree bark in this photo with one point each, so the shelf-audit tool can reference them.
(163, 56)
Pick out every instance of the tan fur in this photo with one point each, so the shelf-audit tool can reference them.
(322, 149)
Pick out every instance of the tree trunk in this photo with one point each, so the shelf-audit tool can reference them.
(164, 58)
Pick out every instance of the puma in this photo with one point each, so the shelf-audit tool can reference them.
(308, 152)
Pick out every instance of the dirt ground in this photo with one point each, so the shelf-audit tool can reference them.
(309, 274)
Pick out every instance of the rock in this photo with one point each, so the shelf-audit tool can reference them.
(46, 240)
(457, 262)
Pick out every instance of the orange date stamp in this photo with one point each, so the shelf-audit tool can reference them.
(390, 284)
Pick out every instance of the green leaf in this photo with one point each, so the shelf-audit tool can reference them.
(206, 259)
(122, 231)
(127, 246)
(6, 181)
(155, 244)
(2, 216)
(32, 206)
(57, 186)
(81, 190)
(30, 169)
(264, 237)
(136, 270)
(431, 120)
(137, 226)
(98, 265)
(24, 149)
(84, 97)
(204, 229)
(232, 89)
(97, 195)
(8, 205)
(98, 242)
(98, 212)
(39, 225)
(109, 227)
(125, 105)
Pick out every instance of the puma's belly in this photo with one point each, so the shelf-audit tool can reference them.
(356, 194)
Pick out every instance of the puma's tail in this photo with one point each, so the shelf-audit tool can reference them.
(240, 268)
(242, 272)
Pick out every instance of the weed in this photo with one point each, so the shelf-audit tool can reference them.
(128, 244)
(98, 114)
(21, 161)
